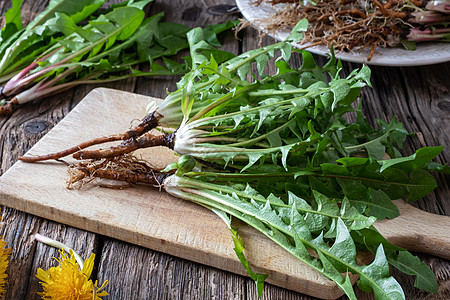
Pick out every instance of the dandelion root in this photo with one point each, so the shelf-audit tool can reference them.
(148, 123)
(345, 24)
(125, 168)
(6, 109)
(130, 145)
(154, 178)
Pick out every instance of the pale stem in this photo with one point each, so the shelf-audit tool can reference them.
(48, 241)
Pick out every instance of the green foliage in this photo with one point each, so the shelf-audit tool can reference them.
(63, 54)
(411, 265)
(418, 159)
(19, 47)
(279, 154)
(185, 164)
(376, 279)
(297, 226)
(13, 20)
(401, 259)
(239, 249)
(201, 50)
(254, 122)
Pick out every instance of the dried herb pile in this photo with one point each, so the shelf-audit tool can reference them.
(357, 24)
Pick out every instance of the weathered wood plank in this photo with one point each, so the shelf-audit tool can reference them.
(28, 255)
(145, 274)
(17, 232)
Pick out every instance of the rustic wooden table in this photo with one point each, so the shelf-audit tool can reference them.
(418, 96)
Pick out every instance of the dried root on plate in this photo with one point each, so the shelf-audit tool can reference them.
(357, 24)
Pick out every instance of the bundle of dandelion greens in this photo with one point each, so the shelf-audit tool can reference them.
(53, 53)
(236, 136)
(19, 46)
(351, 24)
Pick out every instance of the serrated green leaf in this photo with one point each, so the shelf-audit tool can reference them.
(261, 63)
(286, 50)
(201, 51)
(343, 246)
(364, 74)
(239, 250)
(129, 17)
(139, 4)
(352, 218)
(384, 287)
(77, 9)
(340, 90)
(296, 34)
(60, 23)
(284, 154)
(411, 265)
(344, 285)
(210, 32)
(399, 258)
(415, 161)
(243, 70)
(252, 159)
(422, 183)
(381, 206)
(279, 228)
(308, 61)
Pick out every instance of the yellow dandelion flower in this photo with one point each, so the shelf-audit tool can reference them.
(68, 282)
(4, 261)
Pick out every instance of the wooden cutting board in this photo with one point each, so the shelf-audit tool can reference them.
(142, 215)
(151, 218)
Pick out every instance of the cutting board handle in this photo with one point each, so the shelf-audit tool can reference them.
(417, 230)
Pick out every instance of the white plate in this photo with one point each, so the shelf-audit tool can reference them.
(425, 54)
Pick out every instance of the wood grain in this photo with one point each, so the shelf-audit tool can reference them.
(139, 214)
(417, 230)
(415, 95)
(156, 276)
